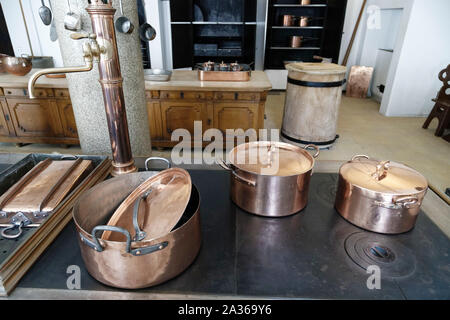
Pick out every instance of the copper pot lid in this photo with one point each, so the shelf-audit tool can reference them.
(383, 176)
(272, 158)
(154, 208)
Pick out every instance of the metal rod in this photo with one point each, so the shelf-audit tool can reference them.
(26, 28)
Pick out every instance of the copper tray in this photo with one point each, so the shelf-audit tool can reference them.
(224, 75)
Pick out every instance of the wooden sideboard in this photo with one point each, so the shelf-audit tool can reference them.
(172, 109)
(170, 105)
(47, 119)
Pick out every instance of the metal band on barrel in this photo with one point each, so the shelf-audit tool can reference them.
(316, 84)
(309, 142)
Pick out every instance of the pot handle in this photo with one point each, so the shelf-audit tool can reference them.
(157, 158)
(95, 243)
(139, 234)
(407, 202)
(222, 163)
(313, 146)
(358, 156)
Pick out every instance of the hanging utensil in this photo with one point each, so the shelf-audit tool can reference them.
(53, 33)
(72, 20)
(26, 27)
(123, 24)
(45, 13)
(147, 32)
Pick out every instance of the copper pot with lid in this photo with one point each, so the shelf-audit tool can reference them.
(380, 196)
(127, 255)
(270, 178)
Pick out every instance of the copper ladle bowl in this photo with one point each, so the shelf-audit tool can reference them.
(17, 66)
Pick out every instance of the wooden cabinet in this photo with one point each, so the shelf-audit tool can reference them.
(235, 115)
(47, 119)
(169, 110)
(67, 117)
(180, 114)
(35, 118)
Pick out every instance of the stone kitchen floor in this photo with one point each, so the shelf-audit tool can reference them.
(362, 130)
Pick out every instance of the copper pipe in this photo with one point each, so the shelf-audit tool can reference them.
(102, 15)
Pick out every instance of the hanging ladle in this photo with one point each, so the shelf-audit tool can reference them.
(123, 24)
(45, 13)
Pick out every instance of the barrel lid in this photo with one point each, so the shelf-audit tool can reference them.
(161, 200)
(317, 68)
(383, 176)
(271, 158)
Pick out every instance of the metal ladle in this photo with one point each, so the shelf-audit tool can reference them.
(147, 32)
(45, 13)
(123, 24)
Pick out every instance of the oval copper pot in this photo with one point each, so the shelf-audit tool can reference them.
(133, 264)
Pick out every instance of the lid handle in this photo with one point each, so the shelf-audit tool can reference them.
(381, 170)
(359, 156)
(139, 234)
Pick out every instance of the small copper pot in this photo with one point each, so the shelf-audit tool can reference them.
(303, 21)
(296, 41)
(288, 20)
(305, 2)
(2, 68)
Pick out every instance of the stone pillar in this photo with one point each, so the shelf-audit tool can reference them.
(85, 90)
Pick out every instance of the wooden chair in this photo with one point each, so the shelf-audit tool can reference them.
(441, 108)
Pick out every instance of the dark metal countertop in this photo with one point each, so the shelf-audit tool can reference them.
(243, 255)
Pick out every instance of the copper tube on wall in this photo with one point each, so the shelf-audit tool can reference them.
(102, 18)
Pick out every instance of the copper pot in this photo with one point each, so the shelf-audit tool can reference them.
(288, 20)
(2, 68)
(270, 178)
(133, 264)
(303, 21)
(17, 66)
(296, 41)
(305, 2)
(383, 197)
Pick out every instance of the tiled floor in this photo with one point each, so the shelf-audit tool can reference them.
(362, 130)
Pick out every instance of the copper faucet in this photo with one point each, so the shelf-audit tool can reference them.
(102, 48)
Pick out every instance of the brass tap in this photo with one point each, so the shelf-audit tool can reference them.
(92, 51)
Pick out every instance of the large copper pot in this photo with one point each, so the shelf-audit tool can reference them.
(17, 66)
(133, 264)
(270, 178)
(383, 197)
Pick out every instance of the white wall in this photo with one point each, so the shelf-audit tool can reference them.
(39, 33)
(421, 50)
(425, 52)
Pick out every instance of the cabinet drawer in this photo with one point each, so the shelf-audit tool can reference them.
(23, 92)
(154, 94)
(62, 93)
(244, 96)
(188, 95)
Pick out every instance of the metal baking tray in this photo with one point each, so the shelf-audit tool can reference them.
(157, 75)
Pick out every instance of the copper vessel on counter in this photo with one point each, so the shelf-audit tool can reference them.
(270, 178)
(380, 196)
(2, 68)
(18, 66)
(133, 264)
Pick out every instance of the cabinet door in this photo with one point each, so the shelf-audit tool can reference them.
(182, 115)
(235, 116)
(35, 118)
(67, 118)
(4, 119)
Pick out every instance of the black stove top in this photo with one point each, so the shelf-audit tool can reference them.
(313, 254)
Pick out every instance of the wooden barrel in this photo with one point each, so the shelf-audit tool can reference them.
(313, 97)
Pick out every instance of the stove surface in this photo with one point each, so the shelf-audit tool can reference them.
(313, 254)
